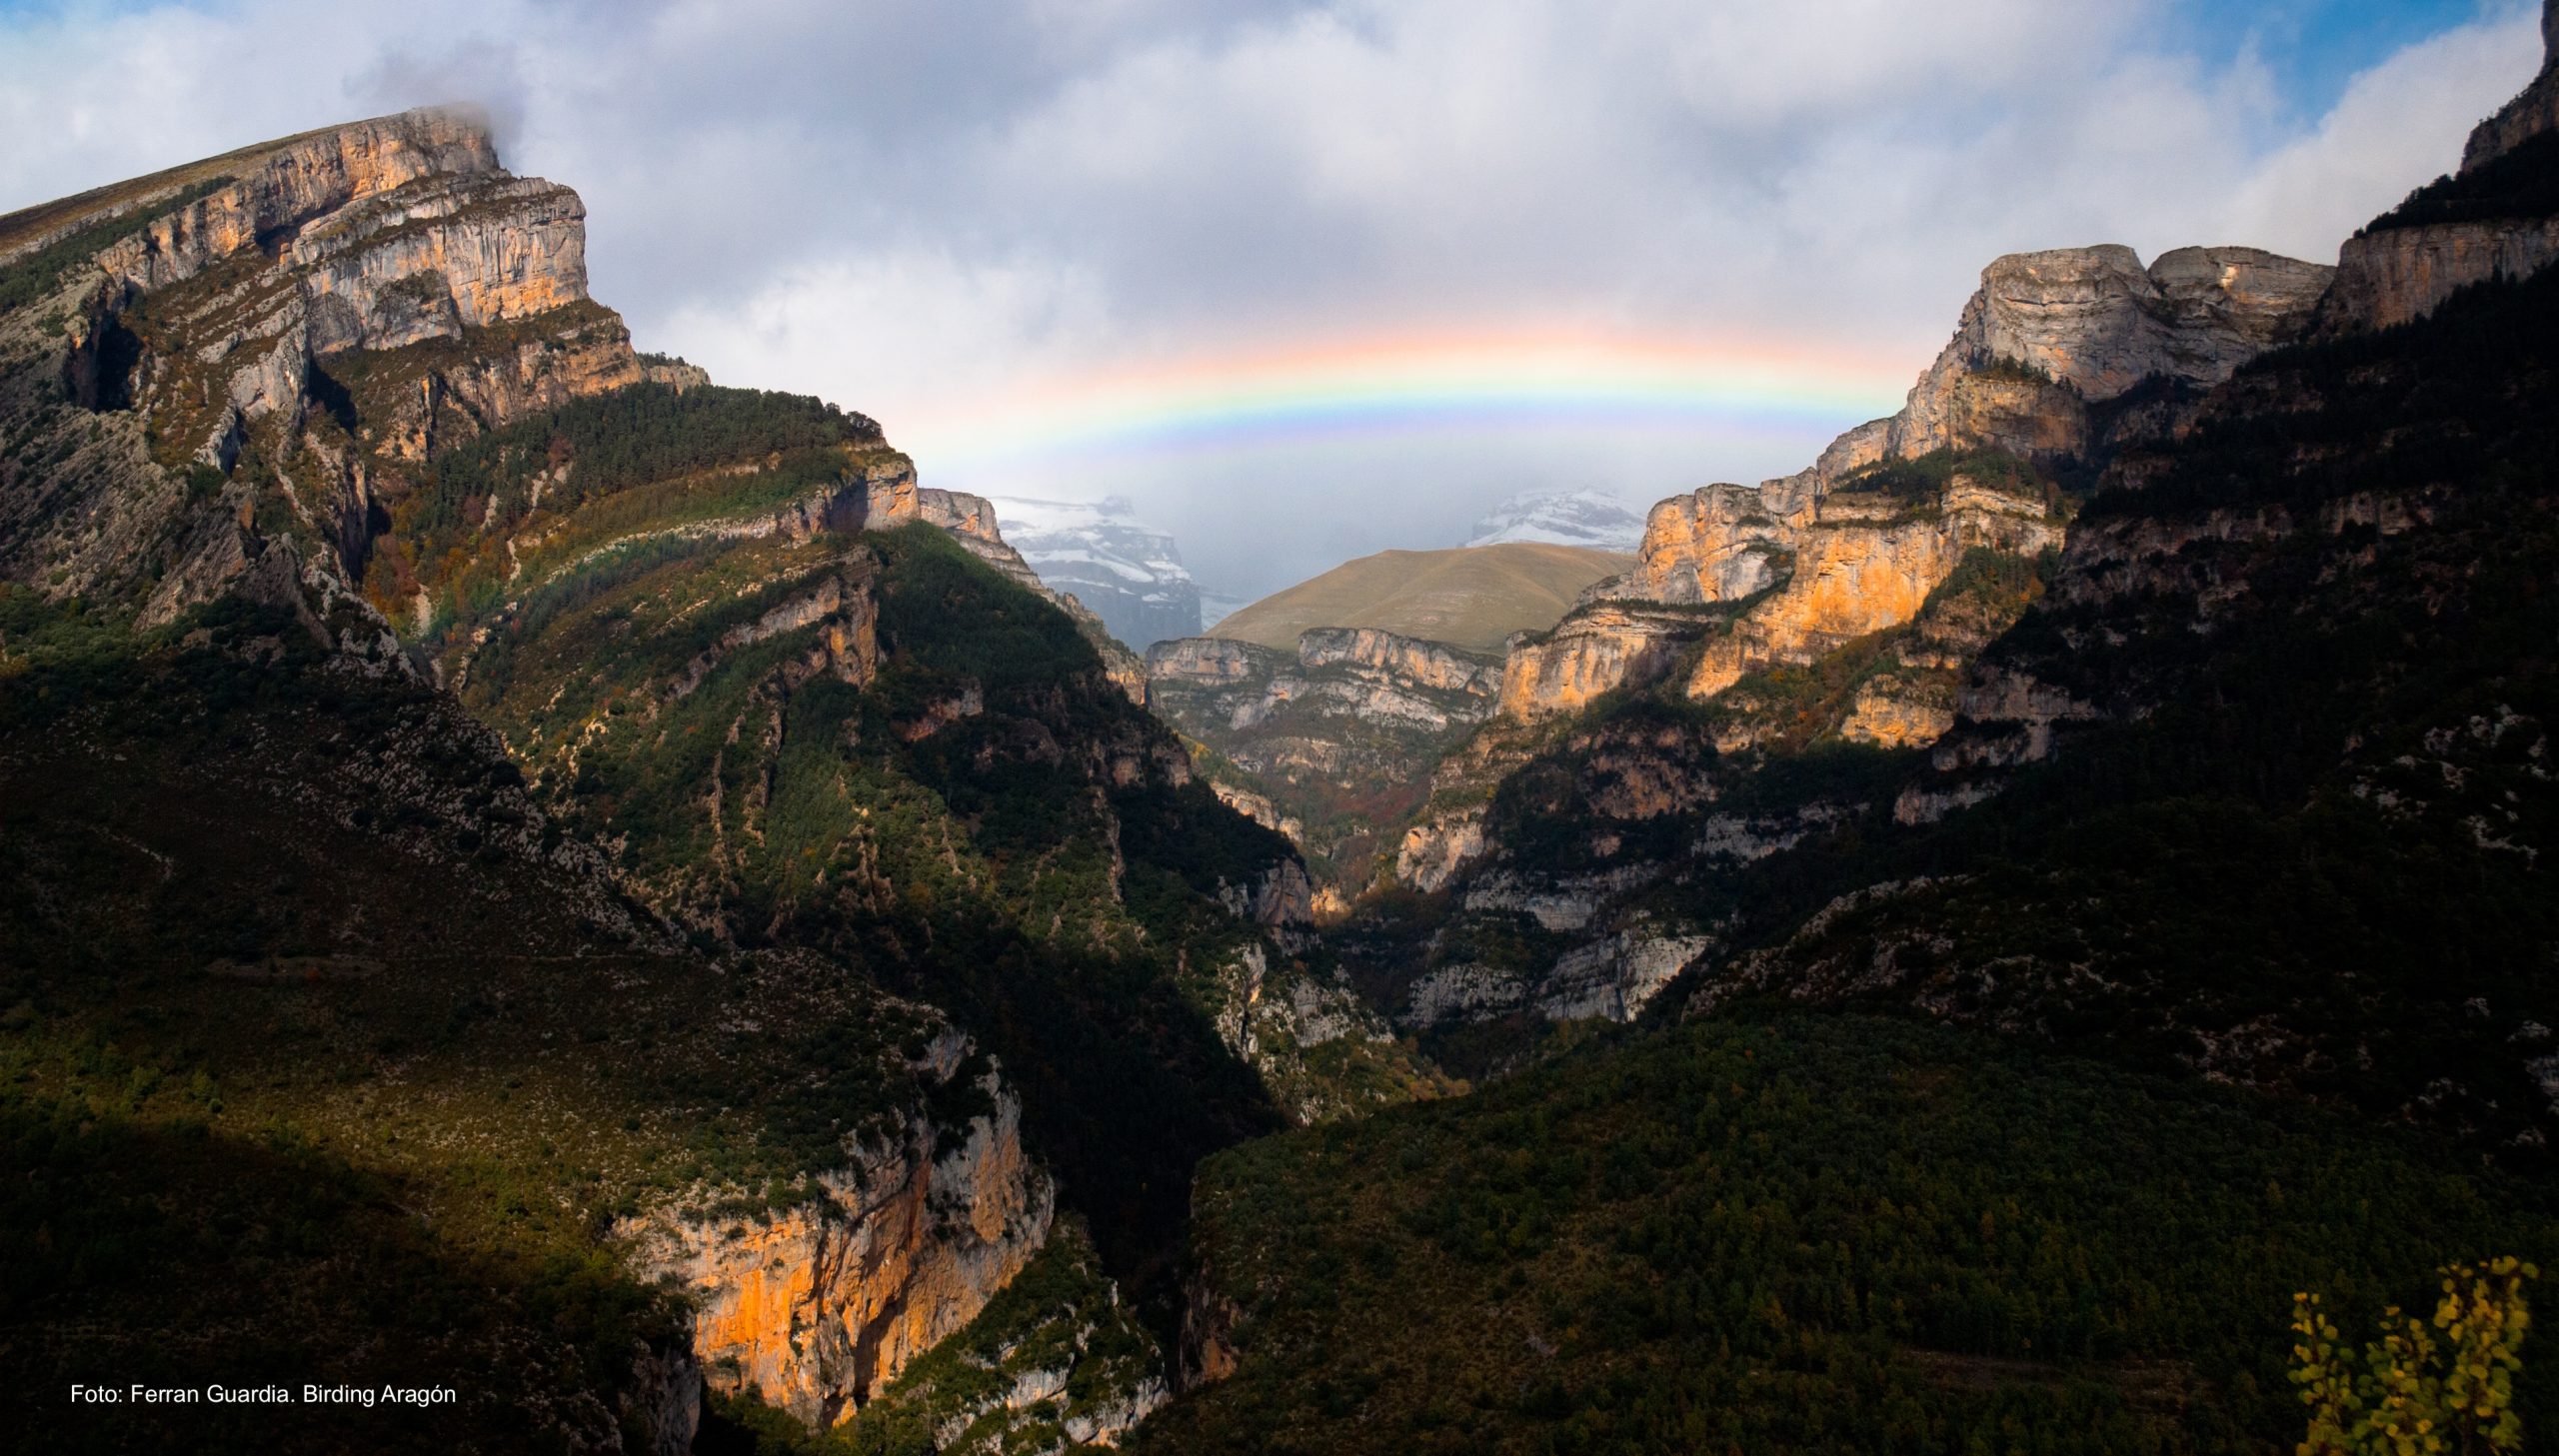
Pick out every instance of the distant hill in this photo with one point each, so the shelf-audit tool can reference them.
(1468, 597)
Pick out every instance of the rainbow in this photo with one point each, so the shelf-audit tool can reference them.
(1472, 384)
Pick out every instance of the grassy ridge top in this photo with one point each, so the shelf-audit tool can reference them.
(24, 226)
(1468, 597)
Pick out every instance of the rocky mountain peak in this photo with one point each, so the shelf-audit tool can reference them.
(1857, 542)
(2098, 322)
(2529, 115)
(1127, 572)
(1594, 519)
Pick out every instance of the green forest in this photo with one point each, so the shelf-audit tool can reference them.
(1780, 1231)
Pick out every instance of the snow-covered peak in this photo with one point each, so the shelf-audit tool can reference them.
(1567, 518)
(1128, 572)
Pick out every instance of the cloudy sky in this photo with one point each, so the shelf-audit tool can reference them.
(1311, 280)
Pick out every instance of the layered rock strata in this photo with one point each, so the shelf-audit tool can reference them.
(2044, 357)
(212, 329)
(819, 1306)
(2464, 229)
(1846, 603)
(1328, 744)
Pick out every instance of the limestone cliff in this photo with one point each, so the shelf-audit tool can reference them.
(233, 314)
(1600, 647)
(1843, 605)
(2091, 323)
(1857, 575)
(2044, 370)
(2473, 226)
(345, 396)
(2400, 275)
(2530, 114)
(1337, 738)
(820, 1305)
(1058, 1362)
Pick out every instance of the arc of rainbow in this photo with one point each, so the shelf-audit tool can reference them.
(1371, 389)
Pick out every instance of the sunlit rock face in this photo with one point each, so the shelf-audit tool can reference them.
(820, 1305)
(1892, 562)
(2407, 262)
(2040, 369)
(1854, 576)
(397, 247)
(1600, 647)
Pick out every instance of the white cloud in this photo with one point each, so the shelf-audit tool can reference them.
(2397, 127)
(924, 210)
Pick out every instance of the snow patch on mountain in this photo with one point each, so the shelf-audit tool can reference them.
(1567, 518)
(1128, 572)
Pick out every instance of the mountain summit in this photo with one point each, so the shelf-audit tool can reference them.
(1590, 518)
(672, 902)
(1127, 572)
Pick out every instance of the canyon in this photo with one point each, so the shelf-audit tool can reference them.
(529, 869)
(726, 660)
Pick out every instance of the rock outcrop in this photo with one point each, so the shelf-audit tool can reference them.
(819, 1306)
(235, 315)
(2531, 113)
(282, 187)
(2394, 276)
(1856, 576)
(1336, 738)
(2092, 322)
(1070, 1369)
(2463, 229)
(1600, 647)
(2045, 352)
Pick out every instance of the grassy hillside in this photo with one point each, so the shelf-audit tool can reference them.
(320, 1061)
(1811, 1233)
(1471, 597)
(967, 806)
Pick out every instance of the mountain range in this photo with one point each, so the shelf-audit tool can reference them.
(1592, 519)
(528, 872)
(1130, 574)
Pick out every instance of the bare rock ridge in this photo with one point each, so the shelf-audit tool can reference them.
(1331, 740)
(2530, 114)
(211, 330)
(2444, 238)
(820, 1306)
(267, 192)
(2041, 369)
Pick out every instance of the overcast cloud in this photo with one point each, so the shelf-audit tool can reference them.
(926, 211)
